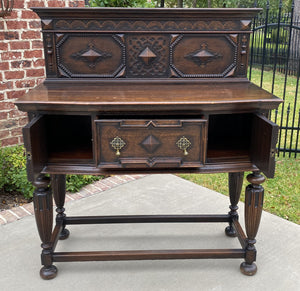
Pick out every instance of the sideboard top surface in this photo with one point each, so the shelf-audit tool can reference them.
(116, 12)
(107, 95)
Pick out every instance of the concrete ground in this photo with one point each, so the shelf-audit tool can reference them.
(278, 244)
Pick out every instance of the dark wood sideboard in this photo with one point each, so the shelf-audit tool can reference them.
(147, 91)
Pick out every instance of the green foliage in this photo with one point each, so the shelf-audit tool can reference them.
(122, 3)
(193, 3)
(13, 176)
(281, 193)
(76, 182)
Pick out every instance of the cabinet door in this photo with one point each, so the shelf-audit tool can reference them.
(35, 144)
(263, 148)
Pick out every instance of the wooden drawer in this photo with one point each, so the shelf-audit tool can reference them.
(136, 143)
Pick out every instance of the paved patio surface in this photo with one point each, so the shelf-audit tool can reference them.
(278, 244)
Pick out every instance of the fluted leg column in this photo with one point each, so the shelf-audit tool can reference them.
(58, 185)
(254, 198)
(235, 182)
(43, 210)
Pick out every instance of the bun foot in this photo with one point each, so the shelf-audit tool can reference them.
(248, 269)
(64, 234)
(48, 272)
(230, 231)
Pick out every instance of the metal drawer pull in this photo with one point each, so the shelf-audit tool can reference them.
(117, 143)
(183, 143)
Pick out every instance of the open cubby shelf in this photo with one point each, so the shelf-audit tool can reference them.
(70, 138)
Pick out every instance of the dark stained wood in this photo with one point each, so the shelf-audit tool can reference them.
(233, 166)
(146, 219)
(254, 199)
(235, 181)
(148, 255)
(139, 13)
(42, 200)
(123, 97)
(35, 144)
(58, 185)
(264, 149)
(151, 143)
(240, 233)
(56, 233)
(147, 91)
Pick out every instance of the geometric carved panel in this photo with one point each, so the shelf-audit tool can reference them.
(90, 55)
(204, 56)
(147, 55)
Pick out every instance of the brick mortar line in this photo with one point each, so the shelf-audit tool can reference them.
(14, 214)
(25, 210)
(10, 215)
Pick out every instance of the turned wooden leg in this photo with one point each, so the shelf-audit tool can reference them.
(58, 185)
(42, 199)
(235, 182)
(254, 198)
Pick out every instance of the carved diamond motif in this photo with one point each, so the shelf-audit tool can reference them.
(150, 144)
(147, 55)
(203, 56)
(91, 55)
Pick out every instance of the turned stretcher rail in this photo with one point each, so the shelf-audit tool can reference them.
(148, 255)
(145, 219)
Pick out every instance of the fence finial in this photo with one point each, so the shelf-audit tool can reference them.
(255, 3)
(280, 4)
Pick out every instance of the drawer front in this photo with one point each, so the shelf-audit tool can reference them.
(151, 143)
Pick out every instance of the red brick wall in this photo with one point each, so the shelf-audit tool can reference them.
(21, 62)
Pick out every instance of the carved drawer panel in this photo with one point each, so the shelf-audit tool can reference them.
(151, 143)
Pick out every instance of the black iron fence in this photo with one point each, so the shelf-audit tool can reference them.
(275, 66)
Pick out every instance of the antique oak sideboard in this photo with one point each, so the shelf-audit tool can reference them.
(147, 91)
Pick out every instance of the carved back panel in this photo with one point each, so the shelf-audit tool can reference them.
(109, 43)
